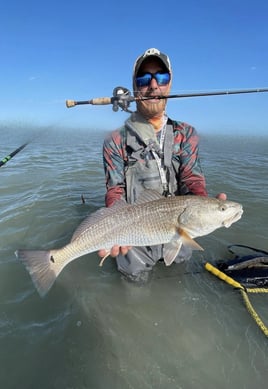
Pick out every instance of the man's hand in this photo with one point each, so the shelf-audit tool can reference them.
(115, 250)
(221, 196)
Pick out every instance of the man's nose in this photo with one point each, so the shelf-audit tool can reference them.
(153, 84)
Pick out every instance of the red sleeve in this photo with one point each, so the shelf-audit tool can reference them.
(113, 161)
(186, 144)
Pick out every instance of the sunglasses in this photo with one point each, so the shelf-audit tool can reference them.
(146, 78)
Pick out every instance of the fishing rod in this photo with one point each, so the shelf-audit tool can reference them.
(122, 97)
(11, 155)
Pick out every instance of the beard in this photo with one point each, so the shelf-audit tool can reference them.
(152, 109)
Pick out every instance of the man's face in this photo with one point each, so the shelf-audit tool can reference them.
(152, 107)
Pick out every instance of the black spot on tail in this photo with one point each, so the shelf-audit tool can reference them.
(38, 263)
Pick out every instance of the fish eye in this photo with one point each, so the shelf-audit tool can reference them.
(222, 208)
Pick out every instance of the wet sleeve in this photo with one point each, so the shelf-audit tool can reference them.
(192, 180)
(113, 162)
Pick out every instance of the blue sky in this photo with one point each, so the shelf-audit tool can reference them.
(57, 50)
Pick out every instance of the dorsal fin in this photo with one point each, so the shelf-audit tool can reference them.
(148, 195)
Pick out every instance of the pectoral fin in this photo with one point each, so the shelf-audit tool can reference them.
(173, 248)
(188, 241)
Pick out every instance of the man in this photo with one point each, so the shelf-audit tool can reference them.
(150, 151)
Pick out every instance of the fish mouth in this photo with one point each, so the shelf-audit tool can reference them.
(228, 222)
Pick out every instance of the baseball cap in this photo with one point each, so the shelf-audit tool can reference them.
(151, 53)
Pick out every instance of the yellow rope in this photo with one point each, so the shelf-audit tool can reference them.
(244, 293)
(253, 313)
(257, 290)
(222, 276)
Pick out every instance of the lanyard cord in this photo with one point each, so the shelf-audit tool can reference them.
(160, 161)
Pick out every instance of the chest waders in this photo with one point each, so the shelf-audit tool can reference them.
(149, 161)
(148, 166)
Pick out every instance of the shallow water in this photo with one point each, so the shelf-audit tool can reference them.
(183, 329)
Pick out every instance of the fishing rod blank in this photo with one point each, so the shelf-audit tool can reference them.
(11, 155)
(122, 97)
(218, 93)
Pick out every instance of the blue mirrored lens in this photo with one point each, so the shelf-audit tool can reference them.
(162, 78)
(145, 79)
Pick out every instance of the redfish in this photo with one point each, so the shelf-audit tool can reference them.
(152, 220)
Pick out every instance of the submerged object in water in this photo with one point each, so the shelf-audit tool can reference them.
(249, 270)
(247, 274)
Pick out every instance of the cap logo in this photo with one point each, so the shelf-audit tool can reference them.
(151, 52)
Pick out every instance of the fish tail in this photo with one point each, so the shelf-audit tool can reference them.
(40, 265)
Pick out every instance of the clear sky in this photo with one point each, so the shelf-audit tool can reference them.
(55, 50)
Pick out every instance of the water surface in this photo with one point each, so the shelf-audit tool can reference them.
(183, 329)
